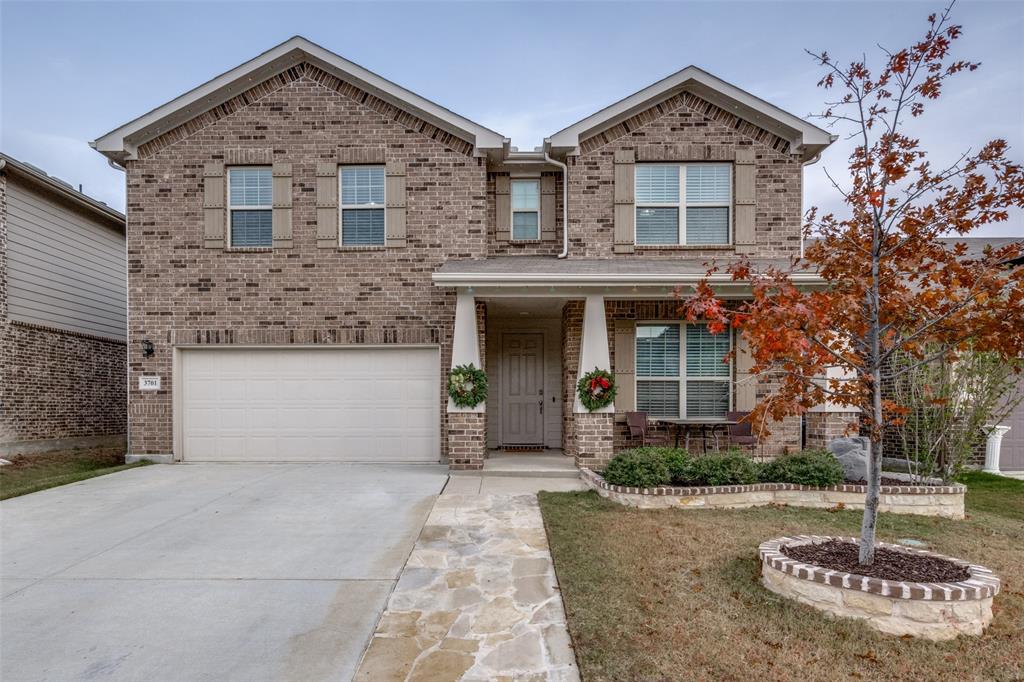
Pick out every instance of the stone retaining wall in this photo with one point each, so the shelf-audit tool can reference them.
(946, 501)
(935, 611)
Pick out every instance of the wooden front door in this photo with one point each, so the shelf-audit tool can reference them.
(522, 389)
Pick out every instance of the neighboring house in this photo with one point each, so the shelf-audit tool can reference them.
(312, 247)
(62, 315)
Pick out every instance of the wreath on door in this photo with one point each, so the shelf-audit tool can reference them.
(596, 389)
(467, 385)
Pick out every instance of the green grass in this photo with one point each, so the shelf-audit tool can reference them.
(994, 494)
(31, 473)
(675, 594)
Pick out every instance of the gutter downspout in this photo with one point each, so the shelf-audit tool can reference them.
(565, 203)
(810, 162)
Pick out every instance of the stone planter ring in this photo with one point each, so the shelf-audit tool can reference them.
(934, 611)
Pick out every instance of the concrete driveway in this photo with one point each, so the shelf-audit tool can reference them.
(206, 572)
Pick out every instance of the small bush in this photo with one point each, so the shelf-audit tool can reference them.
(808, 467)
(731, 468)
(680, 465)
(639, 468)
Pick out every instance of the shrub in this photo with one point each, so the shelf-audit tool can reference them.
(808, 467)
(638, 468)
(731, 468)
(680, 465)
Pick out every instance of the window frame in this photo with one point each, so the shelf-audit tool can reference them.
(684, 203)
(535, 179)
(232, 207)
(342, 207)
(683, 377)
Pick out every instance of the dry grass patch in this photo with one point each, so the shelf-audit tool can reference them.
(668, 595)
(30, 473)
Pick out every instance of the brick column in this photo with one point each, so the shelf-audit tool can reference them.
(595, 436)
(822, 427)
(467, 440)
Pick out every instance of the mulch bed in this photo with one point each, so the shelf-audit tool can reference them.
(889, 564)
(889, 481)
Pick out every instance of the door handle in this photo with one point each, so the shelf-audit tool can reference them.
(541, 403)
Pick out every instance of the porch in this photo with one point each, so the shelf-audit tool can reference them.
(535, 333)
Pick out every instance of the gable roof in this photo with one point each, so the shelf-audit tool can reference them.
(804, 138)
(122, 143)
(56, 186)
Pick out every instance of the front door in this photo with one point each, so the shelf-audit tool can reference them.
(522, 393)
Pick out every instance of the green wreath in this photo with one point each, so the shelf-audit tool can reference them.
(596, 389)
(467, 385)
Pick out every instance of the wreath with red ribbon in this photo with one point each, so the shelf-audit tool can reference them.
(596, 389)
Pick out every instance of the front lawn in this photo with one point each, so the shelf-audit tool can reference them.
(29, 473)
(675, 594)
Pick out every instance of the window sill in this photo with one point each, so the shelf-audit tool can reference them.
(685, 247)
(367, 247)
(249, 249)
(524, 242)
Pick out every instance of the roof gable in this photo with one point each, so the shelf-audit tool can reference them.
(804, 138)
(123, 143)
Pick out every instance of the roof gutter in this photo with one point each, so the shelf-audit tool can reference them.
(565, 199)
(544, 279)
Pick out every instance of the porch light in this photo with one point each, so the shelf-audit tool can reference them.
(147, 348)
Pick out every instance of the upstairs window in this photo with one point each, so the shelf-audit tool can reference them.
(683, 204)
(680, 372)
(250, 206)
(362, 205)
(525, 209)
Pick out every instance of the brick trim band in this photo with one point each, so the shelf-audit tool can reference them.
(982, 584)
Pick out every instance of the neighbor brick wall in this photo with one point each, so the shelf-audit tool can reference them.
(681, 120)
(182, 293)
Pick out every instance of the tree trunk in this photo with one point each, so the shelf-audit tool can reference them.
(868, 522)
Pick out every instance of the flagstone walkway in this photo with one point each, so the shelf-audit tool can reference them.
(477, 600)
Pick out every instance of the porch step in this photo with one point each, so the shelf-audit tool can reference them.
(527, 466)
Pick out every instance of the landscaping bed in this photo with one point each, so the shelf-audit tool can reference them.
(30, 473)
(889, 564)
(654, 595)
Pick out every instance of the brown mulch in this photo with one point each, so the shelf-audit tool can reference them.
(887, 481)
(889, 564)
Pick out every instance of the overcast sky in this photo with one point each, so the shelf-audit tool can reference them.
(73, 71)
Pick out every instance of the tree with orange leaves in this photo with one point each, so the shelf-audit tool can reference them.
(891, 284)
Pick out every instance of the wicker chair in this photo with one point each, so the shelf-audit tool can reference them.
(741, 432)
(637, 423)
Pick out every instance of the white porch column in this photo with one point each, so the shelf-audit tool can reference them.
(593, 347)
(465, 343)
(992, 447)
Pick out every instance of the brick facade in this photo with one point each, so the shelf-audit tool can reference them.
(55, 385)
(181, 293)
(467, 440)
(822, 427)
(679, 129)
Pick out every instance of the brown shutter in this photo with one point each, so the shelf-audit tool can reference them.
(282, 209)
(746, 383)
(625, 366)
(744, 191)
(327, 205)
(503, 207)
(625, 211)
(213, 205)
(548, 208)
(394, 202)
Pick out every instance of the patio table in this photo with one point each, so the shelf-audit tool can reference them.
(702, 425)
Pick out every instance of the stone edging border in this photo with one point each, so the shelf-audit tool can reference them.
(598, 481)
(981, 585)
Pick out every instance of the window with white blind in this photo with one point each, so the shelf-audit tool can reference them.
(683, 203)
(250, 206)
(680, 371)
(526, 209)
(361, 193)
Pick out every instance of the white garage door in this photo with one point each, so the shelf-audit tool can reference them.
(297, 404)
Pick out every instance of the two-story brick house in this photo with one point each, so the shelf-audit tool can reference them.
(312, 247)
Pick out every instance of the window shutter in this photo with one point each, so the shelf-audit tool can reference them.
(327, 205)
(503, 207)
(746, 383)
(625, 366)
(746, 174)
(214, 212)
(282, 207)
(548, 208)
(394, 202)
(625, 210)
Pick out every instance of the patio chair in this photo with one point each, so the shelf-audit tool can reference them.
(637, 423)
(741, 432)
